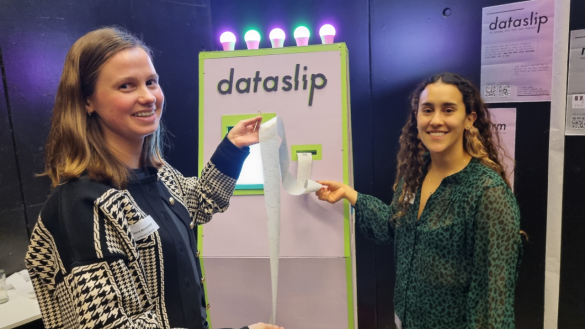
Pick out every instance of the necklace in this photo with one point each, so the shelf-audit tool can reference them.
(430, 182)
(427, 177)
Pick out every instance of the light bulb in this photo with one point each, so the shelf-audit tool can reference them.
(327, 33)
(252, 38)
(228, 41)
(302, 35)
(277, 37)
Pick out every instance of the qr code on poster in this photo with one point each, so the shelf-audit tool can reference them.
(578, 122)
(490, 91)
(503, 90)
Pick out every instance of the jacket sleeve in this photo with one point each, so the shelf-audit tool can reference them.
(211, 193)
(496, 258)
(374, 217)
(77, 290)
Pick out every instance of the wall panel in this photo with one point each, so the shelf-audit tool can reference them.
(572, 289)
(411, 41)
(13, 233)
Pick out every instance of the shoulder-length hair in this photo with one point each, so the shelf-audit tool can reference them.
(481, 141)
(76, 144)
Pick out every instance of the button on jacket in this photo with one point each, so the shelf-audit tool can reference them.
(89, 271)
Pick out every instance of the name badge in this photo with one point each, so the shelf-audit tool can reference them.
(144, 228)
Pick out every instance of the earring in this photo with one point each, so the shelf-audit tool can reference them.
(467, 128)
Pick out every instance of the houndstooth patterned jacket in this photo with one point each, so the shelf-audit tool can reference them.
(87, 269)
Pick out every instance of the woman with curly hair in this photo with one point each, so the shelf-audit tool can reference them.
(454, 220)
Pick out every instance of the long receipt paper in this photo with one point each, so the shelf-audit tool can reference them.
(275, 163)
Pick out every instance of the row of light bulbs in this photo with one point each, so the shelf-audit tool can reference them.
(277, 36)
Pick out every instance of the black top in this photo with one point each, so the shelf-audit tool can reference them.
(90, 271)
(183, 282)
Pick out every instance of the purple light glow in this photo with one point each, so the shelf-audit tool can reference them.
(327, 33)
(228, 41)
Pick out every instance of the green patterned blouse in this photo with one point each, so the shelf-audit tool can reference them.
(456, 267)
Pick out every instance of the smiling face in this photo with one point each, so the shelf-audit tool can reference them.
(127, 99)
(441, 118)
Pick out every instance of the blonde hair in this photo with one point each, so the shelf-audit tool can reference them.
(481, 140)
(76, 144)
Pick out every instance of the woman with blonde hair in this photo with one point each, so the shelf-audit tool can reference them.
(114, 245)
(454, 220)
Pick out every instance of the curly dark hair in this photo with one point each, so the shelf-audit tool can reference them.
(482, 141)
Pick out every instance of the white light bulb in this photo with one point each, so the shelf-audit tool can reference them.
(302, 35)
(277, 37)
(228, 41)
(252, 39)
(327, 33)
(252, 35)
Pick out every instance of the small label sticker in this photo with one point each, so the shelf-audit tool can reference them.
(578, 101)
(410, 197)
(144, 228)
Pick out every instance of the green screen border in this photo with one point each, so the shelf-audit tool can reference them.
(342, 48)
(232, 120)
(345, 123)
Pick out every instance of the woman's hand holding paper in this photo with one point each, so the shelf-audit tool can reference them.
(334, 191)
(243, 133)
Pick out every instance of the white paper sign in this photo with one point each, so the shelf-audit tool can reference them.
(144, 228)
(578, 101)
(576, 63)
(575, 124)
(504, 120)
(516, 52)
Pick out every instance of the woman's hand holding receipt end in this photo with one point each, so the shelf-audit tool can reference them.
(334, 191)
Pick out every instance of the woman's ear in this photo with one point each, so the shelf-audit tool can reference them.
(470, 119)
(89, 107)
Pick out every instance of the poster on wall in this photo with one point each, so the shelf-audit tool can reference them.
(576, 89)
(504, 120)
(516, 52)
